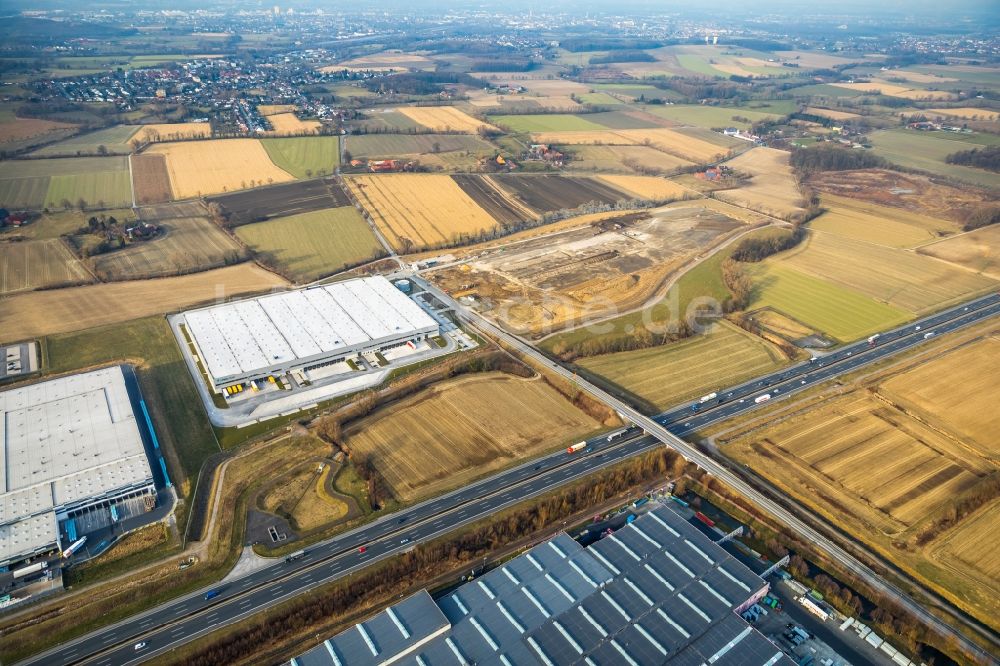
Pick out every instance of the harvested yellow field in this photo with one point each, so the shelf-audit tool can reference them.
(416, 211)
(584, 138)
(289, 123)
(647, 187)
(274, 109)
(465, 428)
(967, 544)
(956, 391)
(197, 168)
(895, 90)
(172, 132)
(855, 449)
(444, 119)
(966, 113)
(920, 77)
(977, 250)
(882, 225)
(665, 140)
(830, 113)
(38, 313)
(772, 189)
(383, 62)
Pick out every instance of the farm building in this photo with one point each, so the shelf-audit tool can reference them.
(71, 446)
(299, 330)
(657, 591)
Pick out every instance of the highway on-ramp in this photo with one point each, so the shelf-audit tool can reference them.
(174, 623)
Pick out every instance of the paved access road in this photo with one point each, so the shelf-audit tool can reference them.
(177, 622)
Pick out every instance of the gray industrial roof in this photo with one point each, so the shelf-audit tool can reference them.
(246, 337)
(62, 441)
(657, 591)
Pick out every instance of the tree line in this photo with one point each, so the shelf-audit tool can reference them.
(982, 217)
(987, 157)
(828, 157)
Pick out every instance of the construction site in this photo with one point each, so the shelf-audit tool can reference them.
(543, 284)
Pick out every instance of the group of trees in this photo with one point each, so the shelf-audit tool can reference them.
(982, 217)
(642, 338)
(829, 157)
(987, 157)
(754, 249)
(622, 56)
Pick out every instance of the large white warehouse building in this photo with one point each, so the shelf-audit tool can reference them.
(68, 445)
(276, 334)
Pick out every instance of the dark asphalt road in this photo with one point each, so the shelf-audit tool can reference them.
(177, 622)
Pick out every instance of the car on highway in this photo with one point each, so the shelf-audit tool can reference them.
(404, 541)
(363, 549)
(139, 646)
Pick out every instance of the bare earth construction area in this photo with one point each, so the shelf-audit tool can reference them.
(543, 284)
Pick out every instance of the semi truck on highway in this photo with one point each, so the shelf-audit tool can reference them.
(762, 398)
(579, 446)
(705, 398)
(291, 557)
(872, 340)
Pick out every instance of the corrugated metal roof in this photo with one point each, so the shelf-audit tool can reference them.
(562, 604)
(251, 336)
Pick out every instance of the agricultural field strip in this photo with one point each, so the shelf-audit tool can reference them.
(406, 206)
(389, 527)
(895, 277)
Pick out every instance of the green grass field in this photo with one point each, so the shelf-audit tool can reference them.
(824, 90)
(599, 99)
(114, 139)
(23, 192)
(178, 416)
(621, 120)
(927, 152)
(718, 116)
(636, 90)
(901, 279)
(298, 155)
(689, 368)
(837, 311)
(390, 145)
(47, 182)
(99, 189)
(313, 245)
(698, 65)
(552, 122)
(391, 121)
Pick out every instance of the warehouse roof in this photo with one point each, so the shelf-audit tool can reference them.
(62, 441)
(657, 591)
(251, 336)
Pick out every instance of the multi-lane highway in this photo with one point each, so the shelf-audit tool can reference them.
(177, 622)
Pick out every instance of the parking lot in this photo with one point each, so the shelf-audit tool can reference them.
(19, 359)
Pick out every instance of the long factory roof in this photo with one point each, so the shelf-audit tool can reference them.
(61, 441)
(246, 337)
(657, 591)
